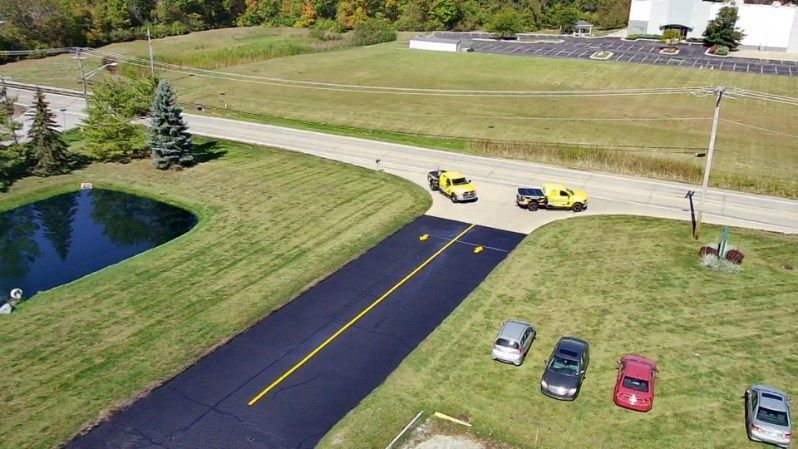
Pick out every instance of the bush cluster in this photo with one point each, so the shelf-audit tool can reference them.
(373, 31)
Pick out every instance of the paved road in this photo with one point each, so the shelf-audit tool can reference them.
(206, 406)
(497, 179)
(641, 51)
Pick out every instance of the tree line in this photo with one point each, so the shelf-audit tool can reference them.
(109, 131)
(62, 23)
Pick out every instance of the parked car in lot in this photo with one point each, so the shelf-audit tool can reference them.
(452, 184)
(767, 415)
(565, 369)
(513, 342)
(634, 388)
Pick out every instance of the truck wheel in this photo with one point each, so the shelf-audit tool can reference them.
(433, 186)
(453, 197)
(577, 207)
(533, 206)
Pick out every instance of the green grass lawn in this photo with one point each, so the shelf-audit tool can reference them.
(757, 146)
(72, 354)
(627, 285)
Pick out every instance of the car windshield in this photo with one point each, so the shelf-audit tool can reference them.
(635, 384)
(459, 181)
(771, 416)
(570, 192)
(507, 343)
(564, 366)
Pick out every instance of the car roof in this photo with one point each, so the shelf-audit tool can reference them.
(771, 398)
(570, 347)
(513, 329)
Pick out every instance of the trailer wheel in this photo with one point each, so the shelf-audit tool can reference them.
(577, 207)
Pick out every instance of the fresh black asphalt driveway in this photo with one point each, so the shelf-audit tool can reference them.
(206, 406)
(639, 51)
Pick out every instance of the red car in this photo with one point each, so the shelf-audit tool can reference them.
(634, 388)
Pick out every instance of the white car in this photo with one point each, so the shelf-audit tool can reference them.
(768, 415)
(513, 342)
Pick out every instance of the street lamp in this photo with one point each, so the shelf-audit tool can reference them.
(85, 76)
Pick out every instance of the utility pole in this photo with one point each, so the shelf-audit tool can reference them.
(82, 73)
(152, 63)
(718, 97)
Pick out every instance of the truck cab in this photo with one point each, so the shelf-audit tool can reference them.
(560, 196)
(453, 185)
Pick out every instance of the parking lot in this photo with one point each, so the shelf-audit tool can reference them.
(641, 52)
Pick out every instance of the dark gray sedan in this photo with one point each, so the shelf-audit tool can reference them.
(565, 369)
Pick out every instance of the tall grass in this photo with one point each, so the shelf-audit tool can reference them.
(624, 161)
(214, 58)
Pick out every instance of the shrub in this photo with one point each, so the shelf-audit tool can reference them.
(707, 250)
(735, 256)
(330, 25)
(373, 31)
(634, 37)
(721, 50)
(715, 263)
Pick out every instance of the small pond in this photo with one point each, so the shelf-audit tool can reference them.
(63, 238)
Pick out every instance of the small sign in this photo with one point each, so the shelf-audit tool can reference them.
(86, 185)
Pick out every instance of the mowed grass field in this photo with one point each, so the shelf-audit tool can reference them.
(271, 223)
(627, 285)
(757, 147)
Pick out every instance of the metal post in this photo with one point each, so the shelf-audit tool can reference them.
(718, 97)
(152, 63)
(82, 74)
(689, 195)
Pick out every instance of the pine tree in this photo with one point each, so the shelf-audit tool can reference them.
(169, 139)
(47, 149)
(8, 126)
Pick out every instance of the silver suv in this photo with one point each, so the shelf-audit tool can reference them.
(767, 415)
(513, 342)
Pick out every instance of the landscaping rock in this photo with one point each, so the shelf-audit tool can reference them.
(6, 309)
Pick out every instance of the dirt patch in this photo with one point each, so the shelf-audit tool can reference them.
(437, 434)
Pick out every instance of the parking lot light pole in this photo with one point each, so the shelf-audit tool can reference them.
(718, 97)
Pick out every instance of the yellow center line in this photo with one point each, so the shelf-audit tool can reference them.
(355, 319)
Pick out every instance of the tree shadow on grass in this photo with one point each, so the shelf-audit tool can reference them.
(207, 151)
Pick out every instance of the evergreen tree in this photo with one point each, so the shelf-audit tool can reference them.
(8, 126)
(169, 139)
(721, 29)
(47, 149)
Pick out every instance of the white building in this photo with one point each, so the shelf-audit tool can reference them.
(767, 27)
(435, 43)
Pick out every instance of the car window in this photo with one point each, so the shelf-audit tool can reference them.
(507, 343)
(564, 366)
(570, 192)
(460, 181)
(563, 193)
(635, 384)
(771, 416)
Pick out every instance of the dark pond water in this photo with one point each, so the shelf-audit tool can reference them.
(60, 239)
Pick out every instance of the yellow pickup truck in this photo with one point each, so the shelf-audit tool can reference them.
(551, 196)
(453, 185)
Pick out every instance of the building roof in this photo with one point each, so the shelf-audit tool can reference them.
(436, 39)
(583, 23)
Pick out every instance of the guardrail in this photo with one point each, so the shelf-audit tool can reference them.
(45, 89)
